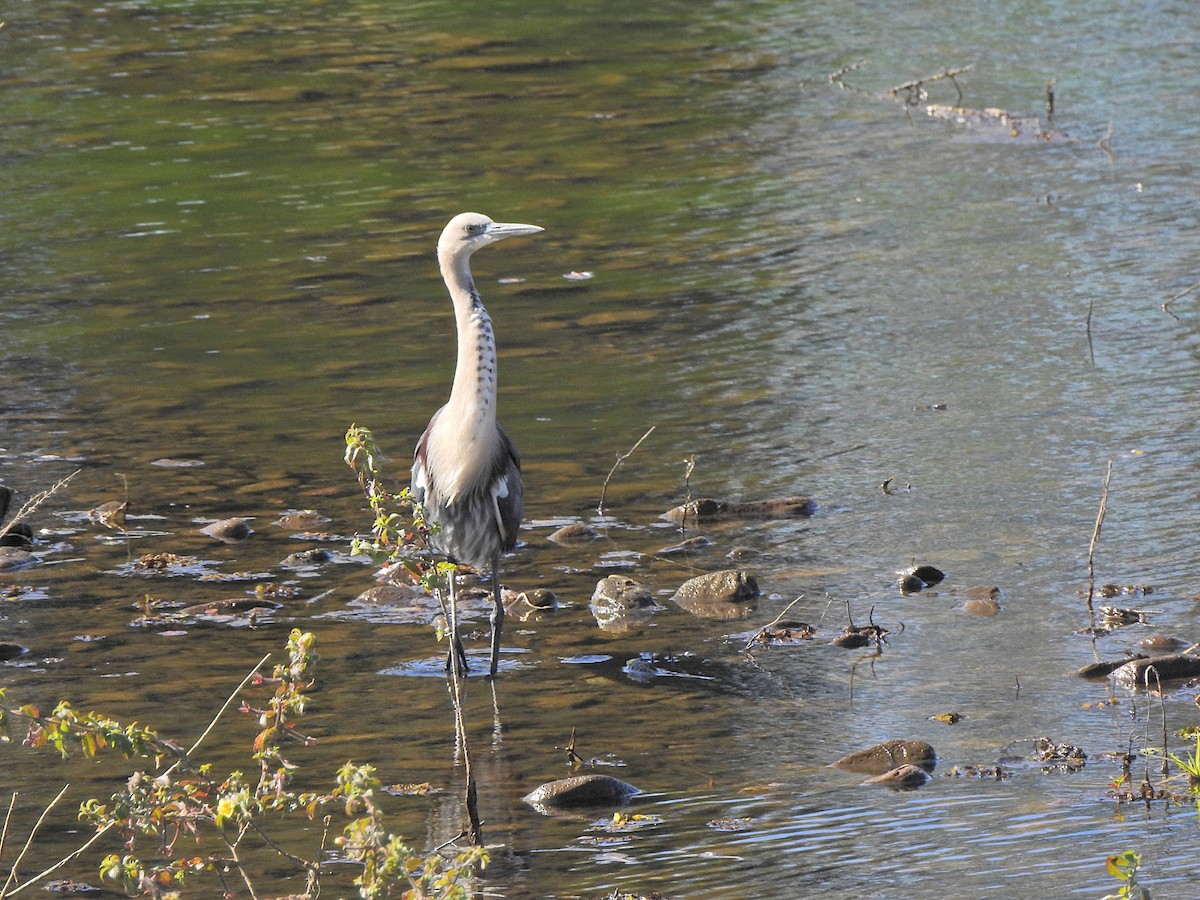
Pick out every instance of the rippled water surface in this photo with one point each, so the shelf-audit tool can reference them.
(216, 242)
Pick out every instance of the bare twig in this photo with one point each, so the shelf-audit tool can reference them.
(1088, 328)
(12, 804)
(74, 854)
(915, 89)
(620, 459)
(1091, 558)
(1179, 296)
(35, 501)
(775, 621)
(4, 892)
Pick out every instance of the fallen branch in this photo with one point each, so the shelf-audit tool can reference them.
(915, 89)
(775, 621)
(1179, 296)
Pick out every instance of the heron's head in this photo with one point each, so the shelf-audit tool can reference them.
(469, 231)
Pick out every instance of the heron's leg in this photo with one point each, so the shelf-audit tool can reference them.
(497, 613)
(456, 654)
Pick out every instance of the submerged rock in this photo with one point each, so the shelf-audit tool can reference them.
(13, 559)
(1147, 672)
(619, 602)
(110, 514)
(528, 604)
(301, 520)
(581, 790)
(902, 778)
(728, 594)
(691, 545)
(229, 531)
(709, 510)
(889, 755)
(1104, 668)
(575, 535)
(981, 601)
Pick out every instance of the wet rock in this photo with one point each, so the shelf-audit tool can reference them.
(1161, 644)
(709, 510)
(575, 535)
(789, 631)
(529, 603)
(13, 559)
(306, 558)
(391, 594)
(19, 535)
(11, 650)
(1068, 755)
(301, 520)
(581, 790)
(855, 636)
(981, 601)
(229, 531)
(1104, 668)
(917, 578)
(902, 778)
(1149, 671)
(737, 554)
(619, 602)
(234, 606)
(728, 594)
(691, 545)
(881, 758)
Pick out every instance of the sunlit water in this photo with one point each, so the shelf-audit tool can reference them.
(217, 235)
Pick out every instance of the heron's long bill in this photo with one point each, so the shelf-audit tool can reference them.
(500, 230)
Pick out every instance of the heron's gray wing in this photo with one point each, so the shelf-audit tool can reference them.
(510, 492)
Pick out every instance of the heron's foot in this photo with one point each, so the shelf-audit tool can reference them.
(456, 649)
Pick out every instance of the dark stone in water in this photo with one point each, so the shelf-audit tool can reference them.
(301, 520)
(581, 790)
(691, 545)
(709, 510)
(314, 557)
(13, 559)
(1136, 673)
(917, 578)
(574, 535)
(19, 535)
(902, 778)
(619, 602)
(229, 531)
(1104, 668)
(234, 606)
(881, 758)
(728, 594)
(11, 650)
(1162, 644)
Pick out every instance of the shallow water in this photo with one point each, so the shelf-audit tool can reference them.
(217, 240)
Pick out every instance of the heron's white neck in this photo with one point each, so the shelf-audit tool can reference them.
(473, 396)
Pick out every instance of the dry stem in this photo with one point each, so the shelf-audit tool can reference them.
(620, 459)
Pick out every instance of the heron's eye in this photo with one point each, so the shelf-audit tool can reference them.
(474, 228)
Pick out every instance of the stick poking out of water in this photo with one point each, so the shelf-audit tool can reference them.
(620, 459)
(1091, 557)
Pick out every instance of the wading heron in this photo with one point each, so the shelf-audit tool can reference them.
(466, 472)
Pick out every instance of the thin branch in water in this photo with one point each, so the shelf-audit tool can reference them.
(775, 621)
(915, 89)
(35, 501)
(1088, 328)
(1091, 557)
(689, 466)
(1179, 296)
(620, 459)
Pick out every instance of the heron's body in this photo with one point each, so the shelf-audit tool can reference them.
(466, 472)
